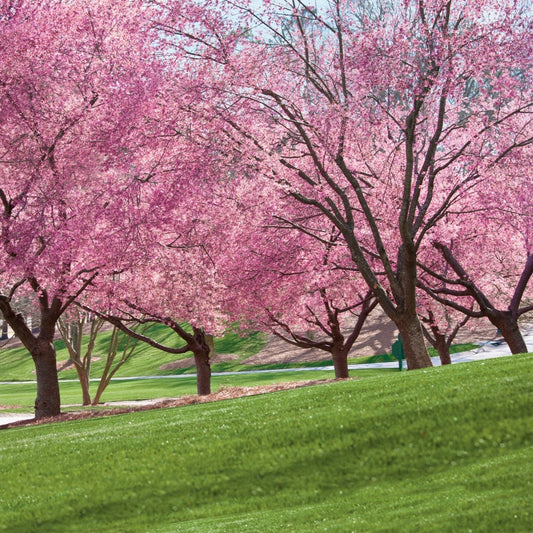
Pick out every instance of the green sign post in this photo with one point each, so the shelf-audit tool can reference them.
(397, 352)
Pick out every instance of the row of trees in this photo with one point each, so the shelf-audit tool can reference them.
(281, 166)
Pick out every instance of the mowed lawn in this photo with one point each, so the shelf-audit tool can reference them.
(20, 397)
(442, 449)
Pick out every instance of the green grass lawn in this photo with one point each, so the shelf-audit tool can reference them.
(17, 365)
(441, 449)
(22, 395)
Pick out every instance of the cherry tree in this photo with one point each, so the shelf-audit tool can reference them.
(173, 290)
(318, 321)
(294, 285)
(327, 317)
(72, 330)
(379, 117)
(492, 262)
(441, 324)
(172, 274)
(76, 80)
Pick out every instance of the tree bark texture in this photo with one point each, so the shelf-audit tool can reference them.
(439, 342)
(41, 348)
(83, 376)
(414, 345)
(203, 372)
(48, 401)
(444, 351)
(508, 326)
(340, 362)
(201, 350)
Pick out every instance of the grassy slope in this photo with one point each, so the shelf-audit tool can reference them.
(443, 449)
(16, 364)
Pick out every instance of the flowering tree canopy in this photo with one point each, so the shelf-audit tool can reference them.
(380, 118)
(487, 253)
(135, 140)
(76, 80)
(302, 289)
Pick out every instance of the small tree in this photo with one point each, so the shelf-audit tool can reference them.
(333, 338)
(81, 350)
(491, 263)
(441, 338)
(301, 288)
(126, 345)
(72, 332)
(505, 319)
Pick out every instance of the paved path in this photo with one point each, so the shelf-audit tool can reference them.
(7, 418)
(487, 350)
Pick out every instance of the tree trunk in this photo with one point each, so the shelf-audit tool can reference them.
(444, 350)
(48, 401)
(97, 396)
(438, 341)
(508, 326)
(210, 341)
(203, 372)
(42, 351)
(201, 350)
(416, 354)
(340, 362)
(84, 382)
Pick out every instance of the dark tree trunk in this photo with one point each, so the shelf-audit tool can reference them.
(402, 307)
(439, 342)
(508, 326)
(42, 350)
(444, 350)
(340, 362)
(201, 351)
(203, 372)
(506, 321)
(416, 354)
(48, 401)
